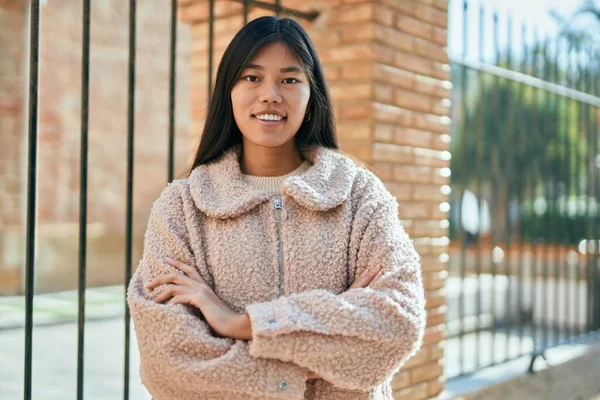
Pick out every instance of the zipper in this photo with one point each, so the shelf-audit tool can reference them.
(278, 215)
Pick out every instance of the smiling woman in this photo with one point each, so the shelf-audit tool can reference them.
(278, 269)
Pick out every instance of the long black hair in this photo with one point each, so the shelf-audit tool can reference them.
(220, 130)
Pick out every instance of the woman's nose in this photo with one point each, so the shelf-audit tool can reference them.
(270, 93)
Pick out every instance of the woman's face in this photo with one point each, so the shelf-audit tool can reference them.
(270, 98)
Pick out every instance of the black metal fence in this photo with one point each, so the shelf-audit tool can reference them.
(524, 271)
(32, 184)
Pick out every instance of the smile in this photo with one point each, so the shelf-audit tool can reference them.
(270, 119)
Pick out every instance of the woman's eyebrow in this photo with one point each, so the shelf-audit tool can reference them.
(284, 70)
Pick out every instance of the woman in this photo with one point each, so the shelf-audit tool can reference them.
(278, 269)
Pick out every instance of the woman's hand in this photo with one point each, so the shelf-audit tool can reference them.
(189, 288)
(366, 278)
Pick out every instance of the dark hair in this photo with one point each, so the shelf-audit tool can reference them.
(220, 130)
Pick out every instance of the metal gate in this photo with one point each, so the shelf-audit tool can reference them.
(32, 184)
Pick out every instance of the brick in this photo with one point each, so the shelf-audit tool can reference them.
(383, 15)
(418, 392)
(435, 299)
(198, 11)
(430, 50)
(384, 170)
(383, 54)
(401, 380)
(414, 27)
(440, 36)
(413, 63)
(412, 210)
(434, 388)
(429, 193)
(432, 264)
(436, 316)
(406, 7)
(432, 123)
(356, 111)
(353, 14)
(432, 15)
(402, 191)
(440, 107)
(426, 373)
(420, 358)
(332, 72)
(383, 93)
(392, 153)
(426, 228)
(412, 100)
(354, 131)
(357, 71)
(393, 76)
(393, 115)
(393, 38)
(343, 91)
(441, 4)
(413, 173)
(384, 133)
(360, 33)
(434, 280)
(331, 40)
(353, 52)
(435, 334)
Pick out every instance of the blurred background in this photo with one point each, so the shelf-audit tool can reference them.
(480, 116)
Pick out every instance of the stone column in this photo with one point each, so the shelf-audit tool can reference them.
(388, 72)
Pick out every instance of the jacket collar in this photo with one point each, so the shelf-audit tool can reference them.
(219, 189)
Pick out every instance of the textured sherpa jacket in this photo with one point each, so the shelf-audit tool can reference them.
(291, 277)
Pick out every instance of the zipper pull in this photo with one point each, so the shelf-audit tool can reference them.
(278, 213)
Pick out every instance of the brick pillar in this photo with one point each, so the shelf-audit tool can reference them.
(13, 65)
(387, 68)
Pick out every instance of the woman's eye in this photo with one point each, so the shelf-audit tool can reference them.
(251, 78)
(290, 80)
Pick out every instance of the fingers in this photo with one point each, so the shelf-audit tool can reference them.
(186, 269)
(177, 279)
(365, 278)
(376, 276)
(170, 291)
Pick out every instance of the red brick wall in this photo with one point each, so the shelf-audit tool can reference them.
(387, 68)
(59, 132)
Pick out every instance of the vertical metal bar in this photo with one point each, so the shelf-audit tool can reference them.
(85, 87)
(172, 73)
(593, 277)
(582, 113)
(565, 232)
(246, 10)
(461, 192)
(545, 220)
(211, 44)
(480, 142)
(508, 156)
(129, 206)
(277, 7)
(522, 178)
(34, 37)
(555, 213)
(493, 200)
(537, 128)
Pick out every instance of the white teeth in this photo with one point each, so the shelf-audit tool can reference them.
(269, 117)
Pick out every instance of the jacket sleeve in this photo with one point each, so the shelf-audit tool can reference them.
(358, 339)
(179, 356)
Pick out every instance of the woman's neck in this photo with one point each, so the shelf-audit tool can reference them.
(270, 161)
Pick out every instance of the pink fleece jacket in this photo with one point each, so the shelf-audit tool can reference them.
(291, 277)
